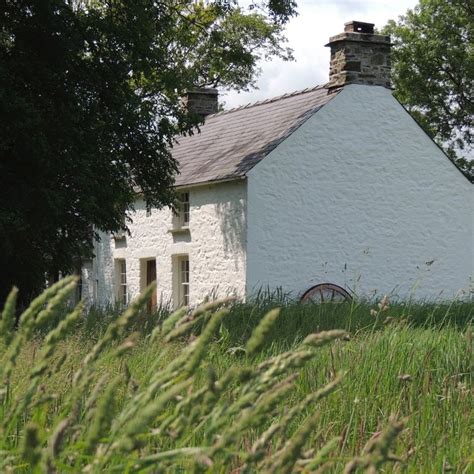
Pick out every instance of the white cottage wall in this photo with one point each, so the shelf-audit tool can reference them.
(361, 197)
(215, 245)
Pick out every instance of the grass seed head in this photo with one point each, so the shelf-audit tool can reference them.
(26, 319)
(405, 378)
(384, 304)
(57, 438)
(287, 458)
(322, 338)
(259, 334)
(201, 344)
(8, 316)
(169, 323)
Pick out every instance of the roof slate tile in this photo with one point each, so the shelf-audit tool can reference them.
(231, 143)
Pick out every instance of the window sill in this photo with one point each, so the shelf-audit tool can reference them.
(179, 230)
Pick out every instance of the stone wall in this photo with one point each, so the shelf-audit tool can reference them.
(202, 101)
(359, 58)
(215, 244)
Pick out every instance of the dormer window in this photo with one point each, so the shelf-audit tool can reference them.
(181, 217)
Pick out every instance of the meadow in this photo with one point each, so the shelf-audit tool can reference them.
(266, 386)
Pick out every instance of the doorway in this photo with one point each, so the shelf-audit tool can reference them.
(150, 278)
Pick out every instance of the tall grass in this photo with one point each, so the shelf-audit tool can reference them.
(236, 387)
(298, 320)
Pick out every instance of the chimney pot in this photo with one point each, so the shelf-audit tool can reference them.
(359, 27)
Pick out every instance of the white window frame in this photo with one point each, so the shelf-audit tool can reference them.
(121, 281)
(181, 270)
(182, 214)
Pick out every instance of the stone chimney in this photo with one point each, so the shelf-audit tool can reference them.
(201, 101)
(358, 56)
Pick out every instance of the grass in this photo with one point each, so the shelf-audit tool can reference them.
(297, 320)
(404, 402)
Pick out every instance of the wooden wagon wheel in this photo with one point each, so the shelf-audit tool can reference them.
(326, 293)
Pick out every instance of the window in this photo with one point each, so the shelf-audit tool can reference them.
(95, 290)
(184, 199)
(121, 279)
(181, 217)
(184, 278)
(181, 279)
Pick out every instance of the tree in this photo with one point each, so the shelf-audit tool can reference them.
(90, 107)
(433, 72)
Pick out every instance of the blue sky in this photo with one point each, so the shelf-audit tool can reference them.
(307, 34)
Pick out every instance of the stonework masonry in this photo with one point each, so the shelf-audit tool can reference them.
(214, 242)
(201, 101)
(358, 56)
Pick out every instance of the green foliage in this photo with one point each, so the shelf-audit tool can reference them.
(433, 71)
(90, 108)
(182, 414)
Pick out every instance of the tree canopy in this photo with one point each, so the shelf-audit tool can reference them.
(90, 105)
(433, 72)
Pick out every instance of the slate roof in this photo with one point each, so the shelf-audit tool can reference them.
(231, 143)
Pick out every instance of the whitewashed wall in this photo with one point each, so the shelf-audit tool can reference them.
(361, 197)
(215, 245)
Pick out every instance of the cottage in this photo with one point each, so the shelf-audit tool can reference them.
(334, 184)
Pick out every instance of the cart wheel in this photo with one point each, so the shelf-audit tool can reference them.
(326, 293)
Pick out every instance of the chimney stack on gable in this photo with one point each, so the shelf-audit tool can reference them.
(358, 56)
(201, 101)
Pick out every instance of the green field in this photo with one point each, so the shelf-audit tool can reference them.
(202, 394)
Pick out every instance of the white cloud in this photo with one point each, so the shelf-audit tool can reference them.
(307, 34)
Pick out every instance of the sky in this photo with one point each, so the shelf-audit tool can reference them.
(307, 34)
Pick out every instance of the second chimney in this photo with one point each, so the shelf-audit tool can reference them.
(358, 56)
(201, 101)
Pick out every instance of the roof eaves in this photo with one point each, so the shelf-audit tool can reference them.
(210, 182)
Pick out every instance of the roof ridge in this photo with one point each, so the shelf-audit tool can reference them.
(269, 100)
